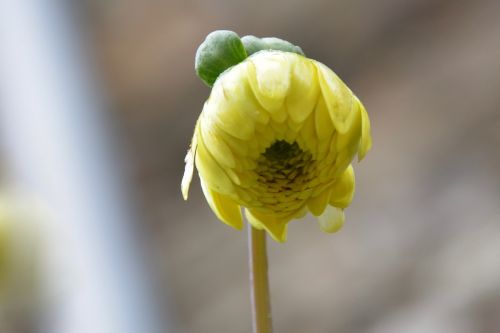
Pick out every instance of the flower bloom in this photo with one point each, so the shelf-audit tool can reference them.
(277, 136)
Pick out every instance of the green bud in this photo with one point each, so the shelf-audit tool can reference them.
(253, 44)
(223, 49)
(220, 50)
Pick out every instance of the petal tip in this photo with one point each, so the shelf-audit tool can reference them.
(223, 207)
(277, 229)
(185, 192)
(188, 175)
(332, 219)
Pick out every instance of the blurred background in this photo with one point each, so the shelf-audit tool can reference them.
(420, 250)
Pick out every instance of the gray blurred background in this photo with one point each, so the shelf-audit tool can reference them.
(420, 250)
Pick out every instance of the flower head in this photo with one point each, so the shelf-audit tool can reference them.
(276, 137)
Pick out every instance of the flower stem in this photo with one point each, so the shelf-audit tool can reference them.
(259, 285)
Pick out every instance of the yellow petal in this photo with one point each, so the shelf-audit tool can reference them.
(300, 213)
(269, 77)
(264, 136)
(304, 90)
(308, 136)
(342, 191)
(232, 105)
(224, 208)
(215, 143)
(324, 125)
(341, 163)
(332, 219)
(318, 203)
(351, 137)
(237, 146)
(189, 168)
(239, 96)
(278, 129)
(338, 98)
(366, 139)
(210, 170)
(274, 226)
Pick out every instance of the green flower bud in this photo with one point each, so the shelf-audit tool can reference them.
(223, 49)
(220, 50)
(253, 44)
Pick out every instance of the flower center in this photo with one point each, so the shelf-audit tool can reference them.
(284, 167)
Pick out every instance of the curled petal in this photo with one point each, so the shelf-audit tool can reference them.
(216, 145)
(366, 139)
(308, 136)
(210, 170)
(225, 208)
(229, 114)
(274, 226)
(189, 168)
(318, 203)
(332, 219)
(342, 191)
(269, 77)
(324, 125)
(349, 140)
(338, 98)
(304, 91)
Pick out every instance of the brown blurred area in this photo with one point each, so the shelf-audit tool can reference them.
(421, 246)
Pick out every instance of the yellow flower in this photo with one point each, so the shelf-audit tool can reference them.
(277, 136)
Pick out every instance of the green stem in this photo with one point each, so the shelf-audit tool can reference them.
(259, 285)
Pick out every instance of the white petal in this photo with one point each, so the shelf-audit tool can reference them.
(332, 219)
(189, 168)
